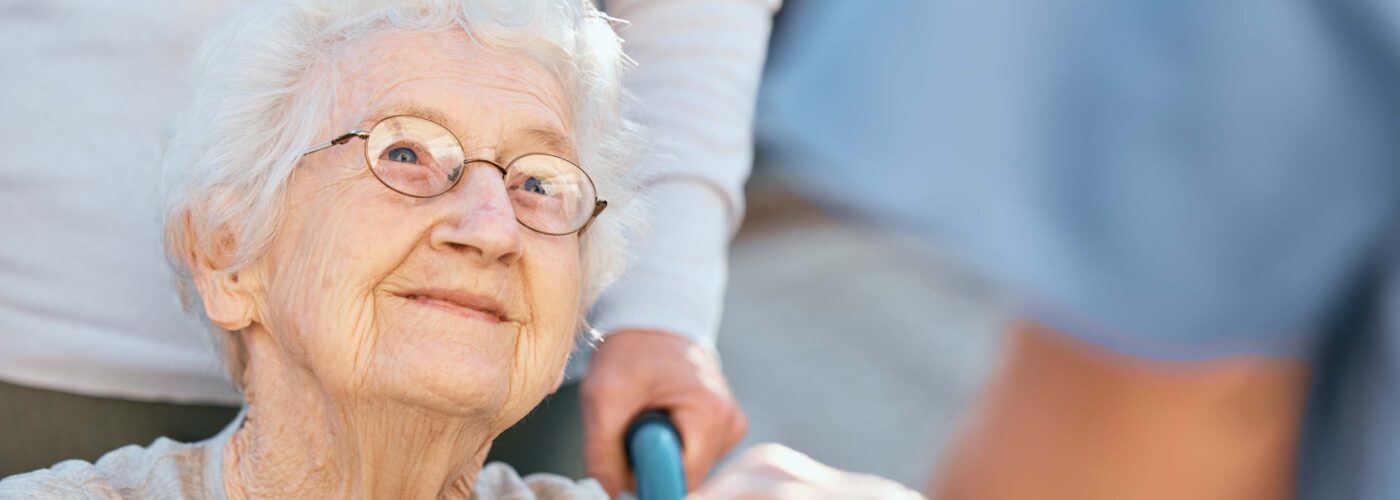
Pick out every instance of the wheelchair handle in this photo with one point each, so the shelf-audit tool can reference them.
(654, 452)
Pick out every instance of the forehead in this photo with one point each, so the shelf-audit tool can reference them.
(477, 92)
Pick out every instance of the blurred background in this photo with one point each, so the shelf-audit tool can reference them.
(854, 342)
(848, 343)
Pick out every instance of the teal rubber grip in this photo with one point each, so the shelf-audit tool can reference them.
(654, 451)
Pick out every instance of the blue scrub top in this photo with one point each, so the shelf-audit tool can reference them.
(1175, 180)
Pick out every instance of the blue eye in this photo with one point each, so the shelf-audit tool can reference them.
(534, 185)
(402, 155)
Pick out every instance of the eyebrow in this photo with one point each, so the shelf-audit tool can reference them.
(411, 109)
(552, 140)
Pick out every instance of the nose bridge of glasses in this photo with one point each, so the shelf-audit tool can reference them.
(458, 176)
(469, 163)
(483, 201)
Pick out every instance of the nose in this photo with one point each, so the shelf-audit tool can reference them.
(480, 220)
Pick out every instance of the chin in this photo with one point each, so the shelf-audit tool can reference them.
(445, 377)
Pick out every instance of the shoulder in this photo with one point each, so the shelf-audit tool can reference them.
(500, 481)
(67, 479)
(165, 469)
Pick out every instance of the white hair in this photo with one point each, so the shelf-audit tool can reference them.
(264, 83)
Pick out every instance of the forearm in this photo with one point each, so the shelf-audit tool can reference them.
(697, 78)
(1067, 420)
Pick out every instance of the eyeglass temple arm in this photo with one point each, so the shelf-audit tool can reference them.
(344, 138)
(597, 209)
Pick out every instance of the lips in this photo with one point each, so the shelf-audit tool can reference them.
(459, 302)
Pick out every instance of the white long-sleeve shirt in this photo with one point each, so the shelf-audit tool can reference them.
(699, 63)
(86, 302)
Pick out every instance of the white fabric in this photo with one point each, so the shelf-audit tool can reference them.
(169, 469)
(699, 63)
(86, 298)
(86, 302)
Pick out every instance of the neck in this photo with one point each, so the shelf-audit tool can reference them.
(300, 440)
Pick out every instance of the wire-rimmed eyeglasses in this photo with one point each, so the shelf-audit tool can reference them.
(419, 158)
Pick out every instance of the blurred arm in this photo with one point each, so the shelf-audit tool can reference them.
(1063, 419)
(699, 63)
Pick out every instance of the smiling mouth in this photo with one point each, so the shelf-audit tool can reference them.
(459, 303)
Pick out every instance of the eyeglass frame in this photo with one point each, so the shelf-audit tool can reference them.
(598, 205)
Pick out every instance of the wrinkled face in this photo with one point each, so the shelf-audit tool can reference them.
(445, 302)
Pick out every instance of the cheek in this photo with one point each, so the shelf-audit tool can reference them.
(552, 286)
(328, 258)
(553, 280)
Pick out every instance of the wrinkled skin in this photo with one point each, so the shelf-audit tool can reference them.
(354, 388)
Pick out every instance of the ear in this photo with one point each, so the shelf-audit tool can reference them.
(227, 294)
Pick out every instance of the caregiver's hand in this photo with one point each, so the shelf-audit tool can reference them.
(772, 471)
(636, 370)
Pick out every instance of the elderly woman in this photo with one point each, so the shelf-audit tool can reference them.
(392, 214)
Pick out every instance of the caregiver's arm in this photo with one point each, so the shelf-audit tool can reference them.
(699, 63)
(1063, 419)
